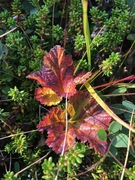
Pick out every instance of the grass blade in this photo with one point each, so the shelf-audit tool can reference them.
(106, 108)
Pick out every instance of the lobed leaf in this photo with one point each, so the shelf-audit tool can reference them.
(56, 115)
(56, 77)
(56, 136)
(57, 72)
(47, 96)
(82, 77)
(85, 115)
(86, 118)
(76, 103)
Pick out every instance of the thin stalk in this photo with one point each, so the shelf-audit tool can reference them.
(5, 123)
(98, 162)
(53, 11)
(65, 138)
(36, 162)
(77, 67)
(93, 77)
(26, 36)
(126, 170)
(86, 31)
(4, 162)
(10, 75)
(91, 45)
(12, 135)
(124, 94)
(66, 129)
(126, 54)
(8, 32)
(123, 110)
(127, 153)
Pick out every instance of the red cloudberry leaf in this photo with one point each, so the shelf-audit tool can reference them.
(56, 77)
(56, 136)
(57, 72)
(90, 118)
(47, 96)
(82, 77)
(86, 118)
(54, 123)
(76, 104)
(56, 115)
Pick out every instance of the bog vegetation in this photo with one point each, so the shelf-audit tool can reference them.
(67, 89)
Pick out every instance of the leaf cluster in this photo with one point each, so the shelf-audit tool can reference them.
(67, 165)
(85, 116)
(112, 25)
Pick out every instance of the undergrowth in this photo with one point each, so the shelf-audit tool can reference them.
(37, 39)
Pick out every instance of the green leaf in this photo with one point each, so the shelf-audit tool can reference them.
(69, 168)
(120, 90)
(16, 166)
(114, 151)
(121, 140)
(129, 105)
(5, 89)
(33, 11)
(5, 114)
(131, 37)
(27, 6)
(114, 127)
(102, 135)
(9, 77)
(78, 160)
(80, 155)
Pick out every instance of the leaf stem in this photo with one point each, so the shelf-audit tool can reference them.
(98, 162)
(12, 135)
(126, 170)
(127, 153)
(8, 32)
(66, 129)
(39, 160)
(65, 138)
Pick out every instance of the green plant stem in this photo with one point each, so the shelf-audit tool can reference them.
(86, 31)
(127, 54)
(5, 123)
(53, 11)
(123, 94)
(77, 67)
